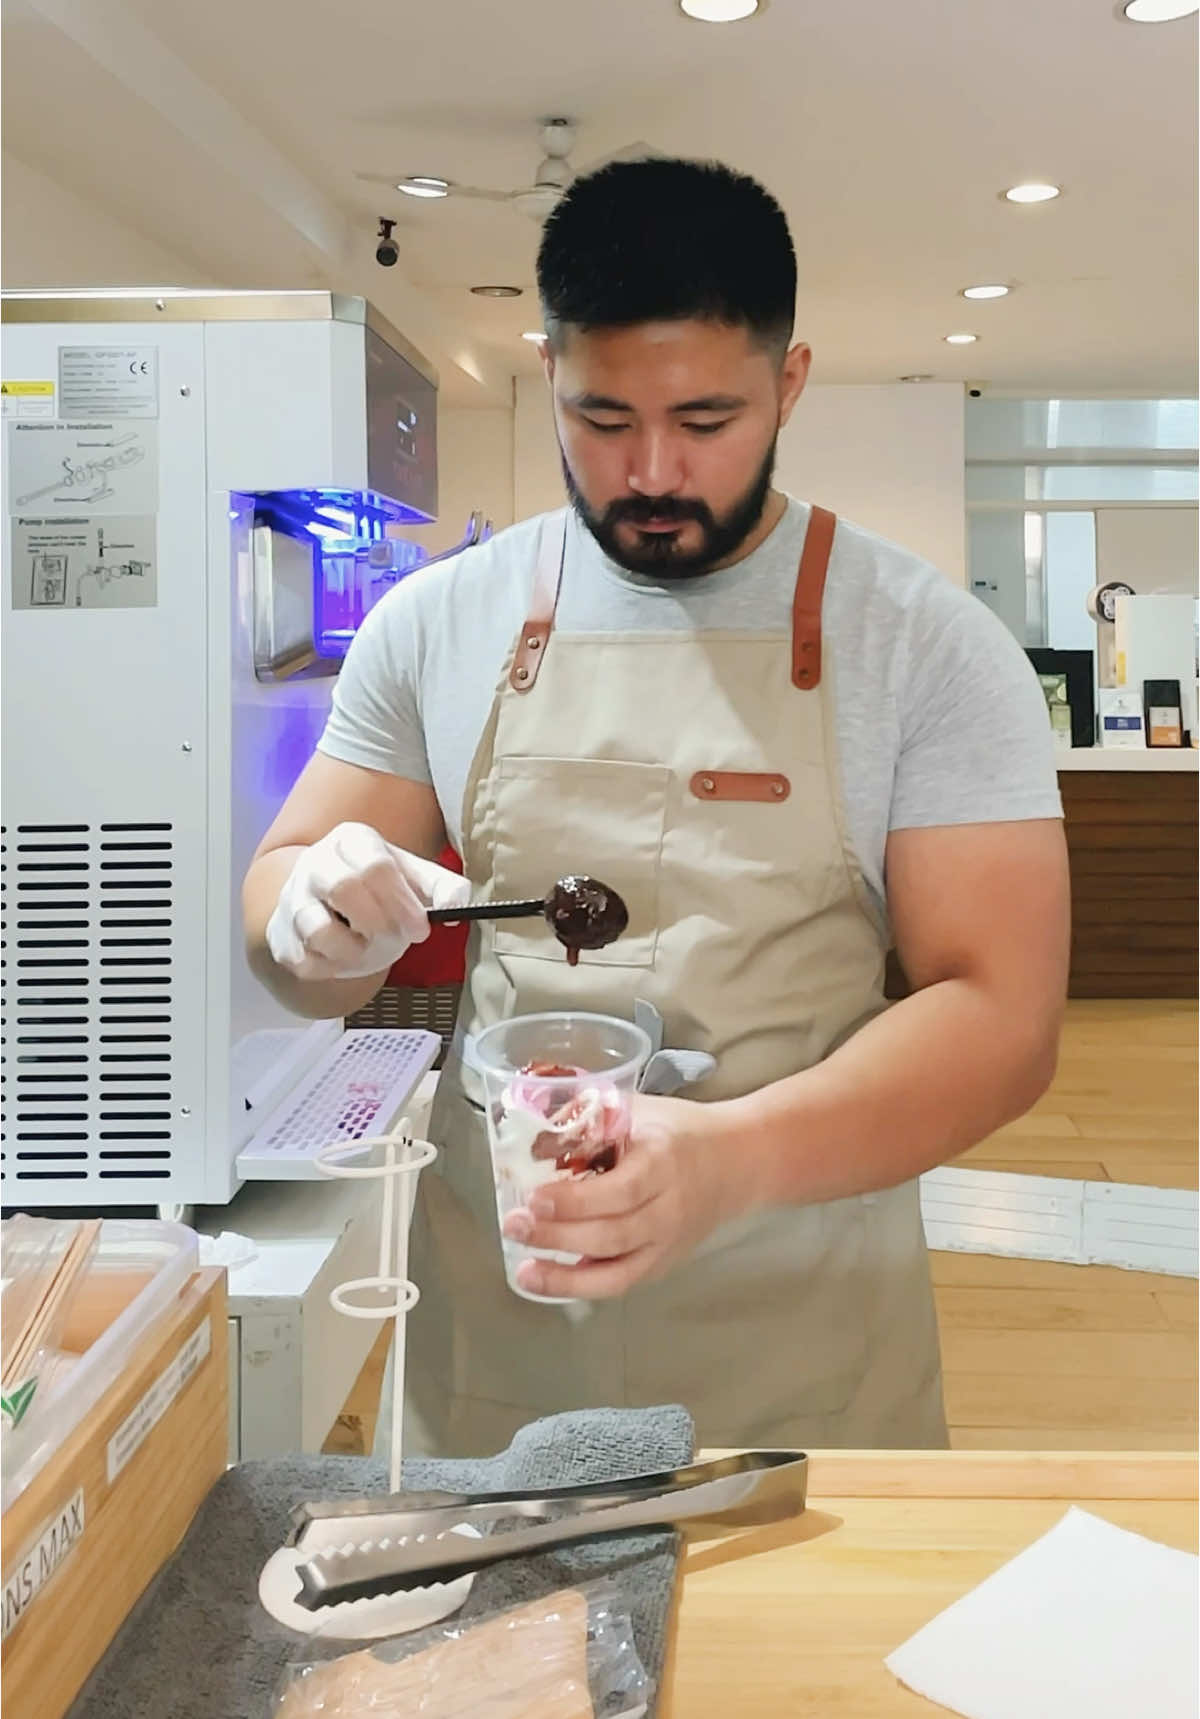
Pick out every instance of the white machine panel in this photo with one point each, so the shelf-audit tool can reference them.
(105, 761)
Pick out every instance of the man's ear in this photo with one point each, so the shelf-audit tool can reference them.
(793, 376)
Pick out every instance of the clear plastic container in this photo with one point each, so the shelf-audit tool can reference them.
(139, 1269)
(558, 1090)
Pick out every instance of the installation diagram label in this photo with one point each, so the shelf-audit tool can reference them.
(108, 381)
(83, 563)
(27, 399)
(89, 467)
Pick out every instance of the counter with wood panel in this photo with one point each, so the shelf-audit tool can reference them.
(1132, 836)
(799, 1617)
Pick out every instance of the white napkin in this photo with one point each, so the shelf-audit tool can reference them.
(228, 1249)
(1090, 1622)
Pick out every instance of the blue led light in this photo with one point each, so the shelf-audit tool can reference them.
(351, 503)
(347, 527)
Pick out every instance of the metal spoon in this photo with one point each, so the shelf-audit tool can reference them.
(582, 913)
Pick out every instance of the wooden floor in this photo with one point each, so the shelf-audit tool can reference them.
(1045, 1356)
(1123, 1104)
(1039, 1356)
(1067, 1357)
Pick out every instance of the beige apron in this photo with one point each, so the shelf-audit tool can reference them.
(697, 774)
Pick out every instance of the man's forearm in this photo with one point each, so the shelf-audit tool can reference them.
(935, 1074)
(316, 1000)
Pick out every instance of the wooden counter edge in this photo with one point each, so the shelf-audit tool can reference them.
(1002, 1474)
(999, 1474)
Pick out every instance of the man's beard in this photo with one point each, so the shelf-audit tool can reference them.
(657, 555)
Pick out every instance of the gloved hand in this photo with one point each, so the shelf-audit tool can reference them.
(354, 903)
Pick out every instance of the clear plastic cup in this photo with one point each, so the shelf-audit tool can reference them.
(558, 1090)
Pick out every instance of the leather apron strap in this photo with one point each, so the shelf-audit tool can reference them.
(806, 604)
(547, 581)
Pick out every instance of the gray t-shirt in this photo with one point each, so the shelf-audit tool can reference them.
(939, 716)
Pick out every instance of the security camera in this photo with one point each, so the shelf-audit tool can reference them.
(387, 251)
(975, 390)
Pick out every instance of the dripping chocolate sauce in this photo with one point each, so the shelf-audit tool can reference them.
(584, 914)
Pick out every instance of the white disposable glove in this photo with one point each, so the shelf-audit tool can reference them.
(354, 903)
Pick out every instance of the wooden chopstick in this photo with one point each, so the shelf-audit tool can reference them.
(62, 1281)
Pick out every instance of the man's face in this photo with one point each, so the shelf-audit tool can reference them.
(667, 432)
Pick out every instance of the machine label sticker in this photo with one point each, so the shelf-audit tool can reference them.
(83, 467)
(109, 563)
(53, 1545)
(108, 381)
(136, 1428)
(27, 399)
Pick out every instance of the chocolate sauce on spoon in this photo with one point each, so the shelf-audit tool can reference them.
(584, 914)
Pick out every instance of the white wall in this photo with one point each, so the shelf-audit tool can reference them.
(475, 470)
(1154, 548)
(537, 468)
(998, 567)
(1069, 572)
(54, 238)
(889, 458)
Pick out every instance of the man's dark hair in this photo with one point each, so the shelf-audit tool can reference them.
(662, 240)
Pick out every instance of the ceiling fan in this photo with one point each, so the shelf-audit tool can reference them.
(553, 175)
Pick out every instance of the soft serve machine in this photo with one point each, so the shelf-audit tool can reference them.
(204, 495)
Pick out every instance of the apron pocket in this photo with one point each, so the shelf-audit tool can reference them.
(596, 817)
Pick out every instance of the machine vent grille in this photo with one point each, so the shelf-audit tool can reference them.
(433, 1010)
(89, 986)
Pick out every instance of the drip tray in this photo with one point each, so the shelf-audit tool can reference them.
(358, 1089)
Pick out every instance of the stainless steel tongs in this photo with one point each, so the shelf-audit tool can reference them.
(367, 1546)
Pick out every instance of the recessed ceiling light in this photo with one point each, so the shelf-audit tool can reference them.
(1032, 193)
(996, 291)
(533, 334)
(498, 291)
(1158, 11)
(961, 339)
(919, 376)
(718, 11)
(424, 185)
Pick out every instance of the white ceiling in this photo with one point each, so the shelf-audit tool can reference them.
(885, 127)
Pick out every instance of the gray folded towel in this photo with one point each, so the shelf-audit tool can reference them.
(199, 1646)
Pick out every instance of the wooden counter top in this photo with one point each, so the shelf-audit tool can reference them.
(1182, 760)
(796, 1619)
